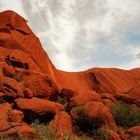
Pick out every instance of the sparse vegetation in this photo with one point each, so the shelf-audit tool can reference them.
(43, 131)
(17, 77)
(126, 115)
(103, 134)
(85, 137)
(119, 130)
(86, 124)
(1, 100)
(62, 100)
(17, 137)
(137, 138)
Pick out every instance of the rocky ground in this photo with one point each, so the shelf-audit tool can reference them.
(100, 103)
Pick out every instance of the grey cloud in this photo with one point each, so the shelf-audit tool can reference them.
(90, 18)
(138, 55)
(86, 32)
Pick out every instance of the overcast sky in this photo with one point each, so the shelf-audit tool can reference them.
(80, 34)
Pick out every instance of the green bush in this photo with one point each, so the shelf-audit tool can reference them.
(103, 134)
(137, 138)
(1, 100)
(84, 137)
(84, 123)
(15, 137)
(62, 101)
(126, 115)
(43, 131)
(6, 138)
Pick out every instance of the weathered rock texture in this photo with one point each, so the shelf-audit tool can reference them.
(30, 86)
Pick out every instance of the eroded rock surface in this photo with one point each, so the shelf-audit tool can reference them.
(11, 122)
(62, 125)
(32, 88)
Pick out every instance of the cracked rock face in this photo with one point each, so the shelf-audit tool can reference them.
(23, 76)
(32, 88)
(11, 122)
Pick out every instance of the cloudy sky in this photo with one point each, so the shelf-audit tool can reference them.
(80, 34)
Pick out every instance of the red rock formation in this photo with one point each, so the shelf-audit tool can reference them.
(131, 134)
(62, 125)
(112, 135)
(108, 99)
(134, 131)
(11, 122)
(36, 108)
(20, 38)
(28, 80)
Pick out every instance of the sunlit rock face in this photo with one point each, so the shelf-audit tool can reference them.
(32, 88)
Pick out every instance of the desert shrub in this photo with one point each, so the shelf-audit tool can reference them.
(84, 137)
(85, 123)
(103, 134)
(137, 138)
(17, 77)
(119, 129)
(43, 131)
(75, 137)
(126, 115)
(6, 138)
(1, 100)
(62, 100)
(17, 137)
